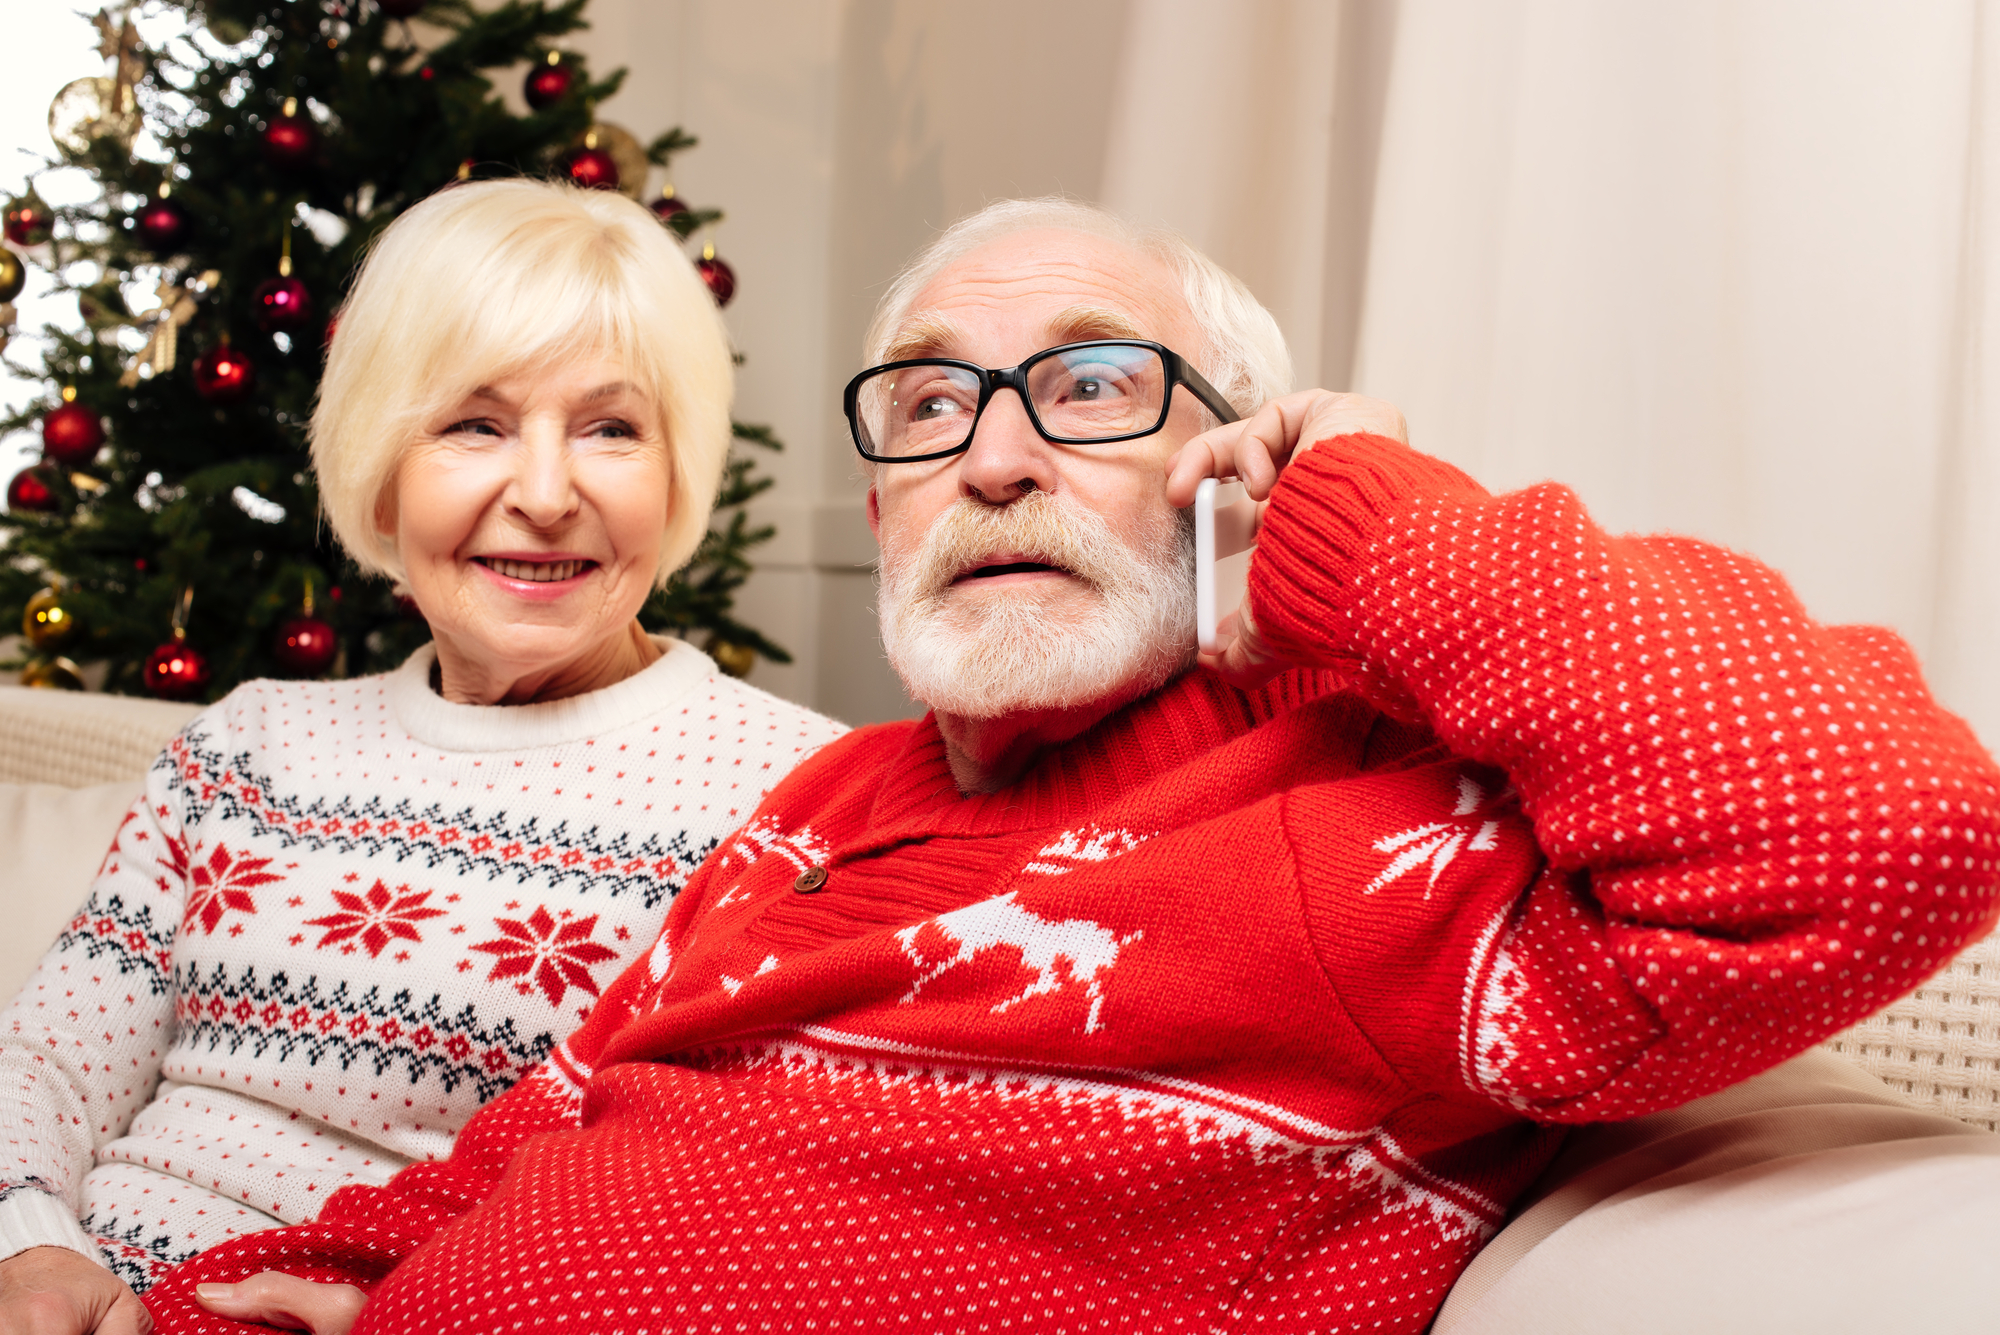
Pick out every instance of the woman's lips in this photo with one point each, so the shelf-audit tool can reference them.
(538, 580)
(534, 572)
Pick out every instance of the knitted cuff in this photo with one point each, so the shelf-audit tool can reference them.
(1330, 508)
(32, 1218)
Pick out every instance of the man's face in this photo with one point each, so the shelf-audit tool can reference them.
(1104, 605)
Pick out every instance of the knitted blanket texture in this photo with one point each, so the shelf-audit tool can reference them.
(1240, 1010)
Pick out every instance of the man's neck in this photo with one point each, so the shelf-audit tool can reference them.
(988, 754)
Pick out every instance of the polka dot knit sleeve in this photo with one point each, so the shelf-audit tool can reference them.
(1757, 829)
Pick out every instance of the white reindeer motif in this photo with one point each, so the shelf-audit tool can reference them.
(1062, 951)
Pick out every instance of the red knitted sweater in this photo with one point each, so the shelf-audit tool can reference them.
(1240, 1010)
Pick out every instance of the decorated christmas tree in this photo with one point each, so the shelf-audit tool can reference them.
(171, 530)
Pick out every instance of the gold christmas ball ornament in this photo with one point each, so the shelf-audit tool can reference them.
(13, 275)
(47, 624)
(624, 149)
(90, 109)
(52, 674)
(735, 660)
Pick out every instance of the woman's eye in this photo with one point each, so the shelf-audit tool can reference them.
(471, 427)
(613, 430)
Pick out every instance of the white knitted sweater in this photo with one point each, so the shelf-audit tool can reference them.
(345, 915)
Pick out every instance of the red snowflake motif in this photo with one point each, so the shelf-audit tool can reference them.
(377, 918)
(556, 957)
(220, 884)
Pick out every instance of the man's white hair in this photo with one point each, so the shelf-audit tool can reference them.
(1245, 358)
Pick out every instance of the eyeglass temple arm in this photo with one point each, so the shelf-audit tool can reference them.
(1210, 397)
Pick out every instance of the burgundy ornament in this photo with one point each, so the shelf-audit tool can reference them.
(548, 85)
(593, 169)
(289, 141)
(223, 375)
(27, 224)
(400, 9)
(721, 279)
(667, 207)
(281, 303)
(72, 435)
(162, 224)
(176, 670)
(33, 488)
(306, 646)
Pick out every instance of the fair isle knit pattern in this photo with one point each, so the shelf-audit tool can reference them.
(1240, 1011)
(344, 916)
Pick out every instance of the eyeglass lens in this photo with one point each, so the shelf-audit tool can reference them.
(1089, 393)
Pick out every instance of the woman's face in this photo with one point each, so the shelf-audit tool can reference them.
(530, 519)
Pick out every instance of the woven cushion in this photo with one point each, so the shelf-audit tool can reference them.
(80, 739)
(1940, 1046)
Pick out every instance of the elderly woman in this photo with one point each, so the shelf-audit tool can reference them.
(347, 913)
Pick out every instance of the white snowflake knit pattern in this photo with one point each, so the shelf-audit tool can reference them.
(344, 916)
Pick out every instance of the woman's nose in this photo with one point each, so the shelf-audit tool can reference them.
(543, 488)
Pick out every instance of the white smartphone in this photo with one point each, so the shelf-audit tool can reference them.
(1222, 522)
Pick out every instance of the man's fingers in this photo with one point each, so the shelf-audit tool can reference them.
(1259, 447)
(286, 1301)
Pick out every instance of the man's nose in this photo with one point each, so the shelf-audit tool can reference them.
(1007, 458)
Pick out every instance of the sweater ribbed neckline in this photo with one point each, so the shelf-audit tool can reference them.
(1185, 719)
(436, 721)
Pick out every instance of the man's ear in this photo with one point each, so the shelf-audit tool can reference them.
(875, 515)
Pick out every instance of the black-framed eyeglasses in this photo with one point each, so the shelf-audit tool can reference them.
(1087, 393)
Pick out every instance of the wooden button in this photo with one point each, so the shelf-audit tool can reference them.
(811, 881)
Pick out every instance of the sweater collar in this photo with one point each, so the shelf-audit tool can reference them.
(430, 718)
(1182, 721)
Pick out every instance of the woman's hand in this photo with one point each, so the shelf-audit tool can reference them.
(1255, 450)
(287, 1302)
(55, 1291)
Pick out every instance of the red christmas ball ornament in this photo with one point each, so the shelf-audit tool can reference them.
(72, 435)
(33, 488)
(667, 207)
(289, 139)
(548, 84)
(223, 375)
(306, 646)
(162, 224)
(400, 9)
(593, 169)
(176, 670)
(721, 279)
(281, 303)
(27, 223)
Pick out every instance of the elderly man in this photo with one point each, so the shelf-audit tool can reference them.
(1126, 993)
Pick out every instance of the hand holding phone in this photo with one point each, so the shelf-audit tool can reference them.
(1224, 521)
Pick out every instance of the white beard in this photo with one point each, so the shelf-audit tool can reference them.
(1123, 625)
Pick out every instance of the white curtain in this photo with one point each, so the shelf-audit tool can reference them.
(1726, 266)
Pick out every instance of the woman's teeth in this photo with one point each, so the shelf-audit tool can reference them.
(536, 572)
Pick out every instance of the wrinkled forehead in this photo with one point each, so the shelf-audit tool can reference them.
(1016, 295)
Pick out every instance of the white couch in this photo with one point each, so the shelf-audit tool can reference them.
(1816, 1197)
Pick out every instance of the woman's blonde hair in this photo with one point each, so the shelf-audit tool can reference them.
(484, 280)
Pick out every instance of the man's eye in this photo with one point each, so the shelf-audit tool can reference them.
(1086, 388)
